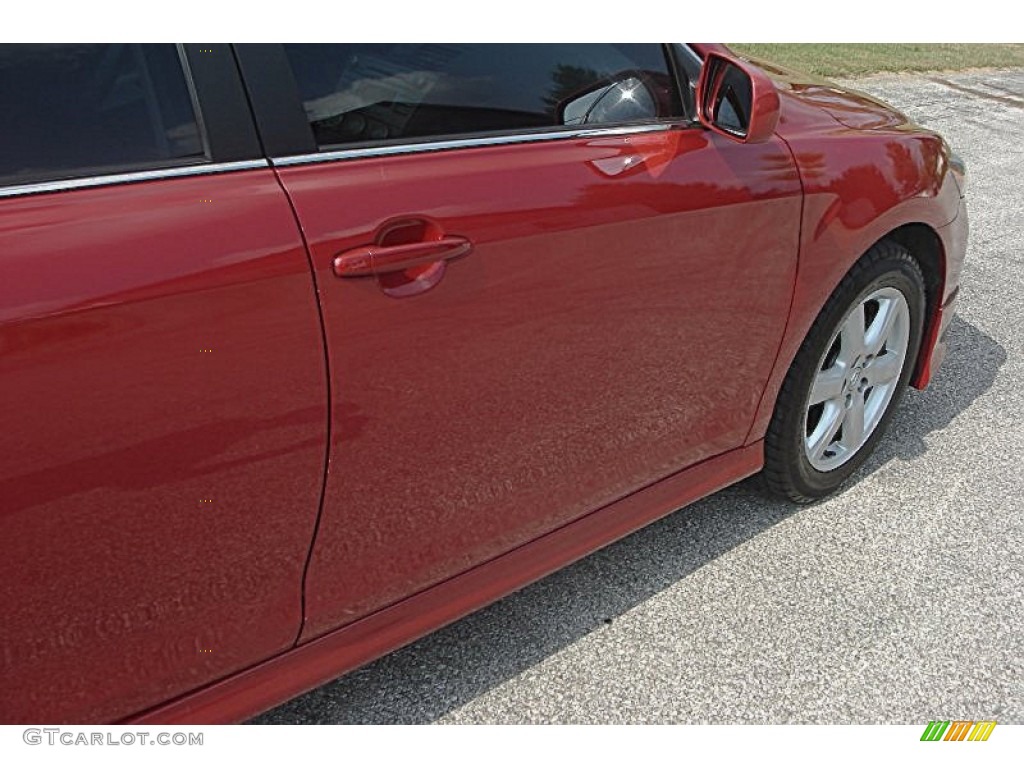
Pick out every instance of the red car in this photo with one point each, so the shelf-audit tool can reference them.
(307, 350)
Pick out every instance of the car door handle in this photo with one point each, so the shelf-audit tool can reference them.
(381, 259)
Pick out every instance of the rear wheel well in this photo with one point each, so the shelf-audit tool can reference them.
(924, 245)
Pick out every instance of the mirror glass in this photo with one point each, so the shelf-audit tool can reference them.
(728, 97)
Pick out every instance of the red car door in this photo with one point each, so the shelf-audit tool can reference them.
(543, 288)
(162, 386)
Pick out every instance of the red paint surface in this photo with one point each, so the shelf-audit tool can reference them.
(316, 662)
(615, 323)
(156, 500)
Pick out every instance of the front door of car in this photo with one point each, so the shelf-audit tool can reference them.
(543, 288)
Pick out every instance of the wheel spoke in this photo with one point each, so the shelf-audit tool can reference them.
(853, 424)
(881, 326)
(884, 369)
(846, 402)
(851, 337)
(828, 385)
(825, 431)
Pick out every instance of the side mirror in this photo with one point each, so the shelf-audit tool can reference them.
(736, 100)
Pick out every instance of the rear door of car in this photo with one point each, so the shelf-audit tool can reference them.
(162, 383)
(543, 285)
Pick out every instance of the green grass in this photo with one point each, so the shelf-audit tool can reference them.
(849, 59)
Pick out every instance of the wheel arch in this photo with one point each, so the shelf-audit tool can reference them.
(925, 245)
(923, 242)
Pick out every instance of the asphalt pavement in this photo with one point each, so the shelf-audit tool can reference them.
(899, 600)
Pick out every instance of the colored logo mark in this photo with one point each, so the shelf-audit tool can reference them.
(958, 730)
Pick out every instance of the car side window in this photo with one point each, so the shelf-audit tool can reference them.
(75, 110)
(371, 94)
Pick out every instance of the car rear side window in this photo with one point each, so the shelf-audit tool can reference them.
(366, 94)
(82, 110)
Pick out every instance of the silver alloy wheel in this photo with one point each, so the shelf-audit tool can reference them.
(856, 379)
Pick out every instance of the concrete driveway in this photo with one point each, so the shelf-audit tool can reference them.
(899, 600)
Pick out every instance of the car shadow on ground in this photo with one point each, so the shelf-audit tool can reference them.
(443, 671)
(968, 371)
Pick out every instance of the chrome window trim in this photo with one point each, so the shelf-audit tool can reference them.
(468, 143)
(130, 178)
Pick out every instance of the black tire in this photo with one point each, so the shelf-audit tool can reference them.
(788, 471)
